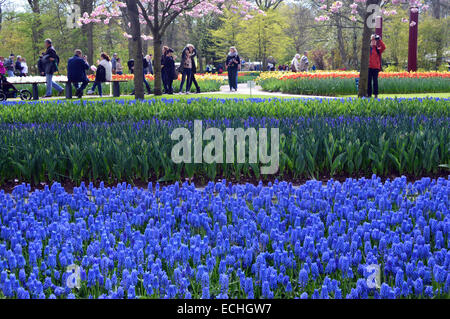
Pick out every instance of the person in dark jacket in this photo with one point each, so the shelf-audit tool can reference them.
(10, 65)
(144, 64)
(50, 62)
(194, 67)
(232, 65)
(40, 65)
(18, 66)
(76, 72)
(169, 72)
(165, 51)
(186, 70)
(130, 64)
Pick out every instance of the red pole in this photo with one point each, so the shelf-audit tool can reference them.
(379, 26)
(412, 47)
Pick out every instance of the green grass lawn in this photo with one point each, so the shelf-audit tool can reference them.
(441, 95)
(244, 96)
(183, 96)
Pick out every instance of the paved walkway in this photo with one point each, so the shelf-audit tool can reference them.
(245, 90)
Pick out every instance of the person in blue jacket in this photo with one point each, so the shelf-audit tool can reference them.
(76, 72)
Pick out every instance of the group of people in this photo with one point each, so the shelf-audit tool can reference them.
(187, 68)
(106, 67)
(13, 67)
(300, 63)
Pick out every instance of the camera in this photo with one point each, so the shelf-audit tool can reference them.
(377, 37)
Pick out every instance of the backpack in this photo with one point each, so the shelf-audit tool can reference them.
(56, 62)
(100, 75)
(145, 63)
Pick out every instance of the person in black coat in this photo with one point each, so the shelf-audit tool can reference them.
(194, 67)
(232, 65)
(144, 64)
(76, 72)
(165, 50)
(168, 72)
(50, 62)
(18, 67)
(130, 64)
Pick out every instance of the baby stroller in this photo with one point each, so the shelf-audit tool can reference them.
(8, 91)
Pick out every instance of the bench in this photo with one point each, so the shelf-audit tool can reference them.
(68, 89)
(115, 87)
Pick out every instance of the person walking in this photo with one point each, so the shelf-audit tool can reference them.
(9, 65)
(150, 64)
(169, 72)
(194, 66)
(145, 64)
(76, 72)
(119, 67)
(232, 65)
(186, 70)
(304, 62)
(377, 47)
(103, 74)
(130, 65)
(295, 64)
(50, 61)
(165, 51)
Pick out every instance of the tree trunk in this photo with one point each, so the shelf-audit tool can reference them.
(137, 45)
(88, 30)
(36, 33)
(365, 50)
(341, 44)
(355, 49)
(436, 5)
(145, 43)
(1, 16)
(130, 49)
(157, 52)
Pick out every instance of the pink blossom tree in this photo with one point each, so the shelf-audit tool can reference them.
(363, 12)
(158, 15)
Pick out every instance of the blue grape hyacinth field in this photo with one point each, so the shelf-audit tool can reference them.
(228, 240)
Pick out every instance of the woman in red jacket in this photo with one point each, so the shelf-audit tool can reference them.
(376, 49)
